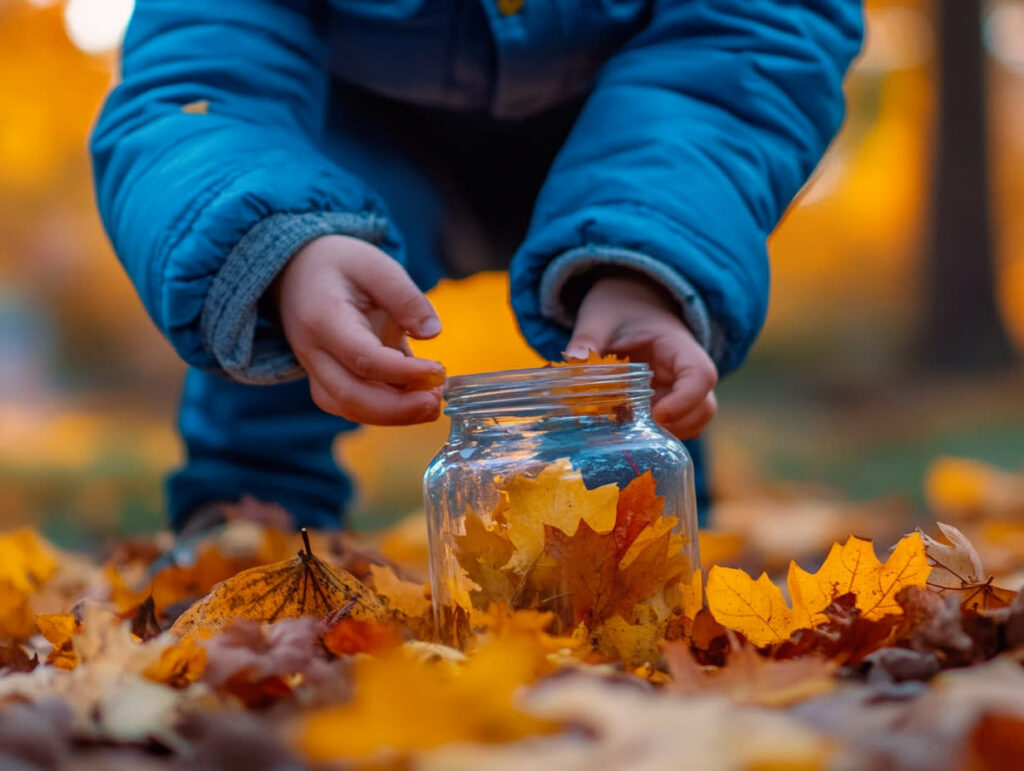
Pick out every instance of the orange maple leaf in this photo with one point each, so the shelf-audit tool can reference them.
(638, 506)
(589, 564)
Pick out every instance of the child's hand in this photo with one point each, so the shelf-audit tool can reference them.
(631, 316)
(346, 307)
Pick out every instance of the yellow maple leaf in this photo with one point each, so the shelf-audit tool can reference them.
(756, 609)
(406, 597)
(556, 497)
(853, 567)
(635, 644)
(483, 551)
(530, 627)
(303, 586)
(691, 594)
(402, 704)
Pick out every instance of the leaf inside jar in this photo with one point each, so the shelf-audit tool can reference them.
(602, 560)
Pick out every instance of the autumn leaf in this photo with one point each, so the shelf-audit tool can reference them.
(27, 562)
(483, 552)
(587, 567)
(260, 664)
(14, 658)
(634, 644)
(59, 630)
(402, 705)
(556, 497)
(180, 664)
(638, 506)
(144, 623)
(954, 564)
(691, 592)
(846, 638)
(906, 566)
(965, 488)
(405, 597)
(303, 586)
(353, 635)
(957, 567)
(751, 678)
(653, 560)
(530, 627)
(757, 609)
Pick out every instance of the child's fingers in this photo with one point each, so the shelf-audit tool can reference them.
(593, 332)
(686, 396)
(338, 391)
(348, 337)
(693, 423)
(391, 288)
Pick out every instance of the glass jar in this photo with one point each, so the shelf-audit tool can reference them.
(558, 492)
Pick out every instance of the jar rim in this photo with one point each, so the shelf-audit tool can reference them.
(533, 388)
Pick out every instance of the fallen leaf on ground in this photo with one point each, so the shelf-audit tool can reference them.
(180, 664)
(256, 663)
(620, 725)
(957, 567)
(303, 586)
(402, 705)
(59, 630)
(750, 678)
(27, 562)
(758, 610)
(353, 635)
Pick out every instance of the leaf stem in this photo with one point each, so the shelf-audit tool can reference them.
(305, 542)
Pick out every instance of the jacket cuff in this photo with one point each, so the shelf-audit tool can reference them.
(576, 262)
(246, 340)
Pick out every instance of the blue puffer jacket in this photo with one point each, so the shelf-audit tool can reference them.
(703, 120)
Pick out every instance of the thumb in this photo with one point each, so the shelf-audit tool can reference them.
(593, 332)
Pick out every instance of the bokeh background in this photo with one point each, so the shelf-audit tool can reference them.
(896, 320)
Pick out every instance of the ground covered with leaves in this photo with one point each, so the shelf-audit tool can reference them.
(258, 648)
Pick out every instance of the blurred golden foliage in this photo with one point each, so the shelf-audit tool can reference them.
(846, 261)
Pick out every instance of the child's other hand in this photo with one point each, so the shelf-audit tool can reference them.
(633, 317)
(346, 307)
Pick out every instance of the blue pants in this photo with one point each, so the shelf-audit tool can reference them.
(461, 190)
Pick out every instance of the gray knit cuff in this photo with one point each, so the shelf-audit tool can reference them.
(583, 259)
(249, 345)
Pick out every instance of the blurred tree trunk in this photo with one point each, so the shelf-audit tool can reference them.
(962, 327)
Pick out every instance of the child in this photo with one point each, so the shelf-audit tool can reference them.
(282, 180)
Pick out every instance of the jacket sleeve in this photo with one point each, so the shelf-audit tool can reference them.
(698, 134)
(208, 176)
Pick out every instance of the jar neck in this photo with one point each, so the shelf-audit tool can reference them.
(549, 398)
